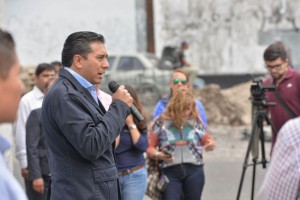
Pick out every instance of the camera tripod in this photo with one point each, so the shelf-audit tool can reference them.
(259, 114)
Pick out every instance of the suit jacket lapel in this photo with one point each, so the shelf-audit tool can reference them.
(82, 90)
(101, 106)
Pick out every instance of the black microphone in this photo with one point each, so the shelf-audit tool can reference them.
(113, 87)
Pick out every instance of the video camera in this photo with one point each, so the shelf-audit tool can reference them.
(258, 92)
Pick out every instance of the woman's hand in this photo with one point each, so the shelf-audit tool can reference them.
(209, 145)
(162, 156)
(117, 141)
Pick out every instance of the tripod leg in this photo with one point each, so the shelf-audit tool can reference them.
(253, 178)
(269, 122)
(262, 141)
(254, 124)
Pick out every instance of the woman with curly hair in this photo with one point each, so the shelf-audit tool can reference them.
(177, 139)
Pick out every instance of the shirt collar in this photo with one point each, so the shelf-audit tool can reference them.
(4, 144)
(37, 92)
(287, 75)
(289, 72)
(79, 78)
(165, 100)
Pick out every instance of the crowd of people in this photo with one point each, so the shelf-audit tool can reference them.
(74, 141)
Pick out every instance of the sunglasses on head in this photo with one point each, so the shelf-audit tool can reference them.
(177, 80)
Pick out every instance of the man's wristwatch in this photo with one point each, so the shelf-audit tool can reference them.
(132, 126)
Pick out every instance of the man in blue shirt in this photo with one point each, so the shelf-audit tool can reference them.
(179, 79)
(11, 88)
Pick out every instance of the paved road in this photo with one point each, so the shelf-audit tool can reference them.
(224, 166)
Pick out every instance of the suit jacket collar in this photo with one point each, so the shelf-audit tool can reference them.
(65, 74)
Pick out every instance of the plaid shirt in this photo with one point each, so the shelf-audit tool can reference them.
(282, 180)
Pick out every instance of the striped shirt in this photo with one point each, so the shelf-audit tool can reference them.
(282, 180)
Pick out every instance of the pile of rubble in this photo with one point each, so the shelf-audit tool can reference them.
(226, 107)
(27, 76)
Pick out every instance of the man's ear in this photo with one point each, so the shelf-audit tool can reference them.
(77, 61)
(287, 60)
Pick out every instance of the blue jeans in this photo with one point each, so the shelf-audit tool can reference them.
(186, 180)
(134, 185)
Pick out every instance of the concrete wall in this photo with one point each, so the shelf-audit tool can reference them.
(40, 27)
(228, 36)
(2, 8)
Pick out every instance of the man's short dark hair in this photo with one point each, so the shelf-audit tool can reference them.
(56, 63)
(79, 43)
(8, 54)
(184, 42)
(274, 51)
(43, 67)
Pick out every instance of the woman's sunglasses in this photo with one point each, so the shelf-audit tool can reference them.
(177, 80)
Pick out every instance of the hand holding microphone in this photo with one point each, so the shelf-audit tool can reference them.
(122, 94)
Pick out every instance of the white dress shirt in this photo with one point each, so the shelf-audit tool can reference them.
(105, 99)
(29, 102)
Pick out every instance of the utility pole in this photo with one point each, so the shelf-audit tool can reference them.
(150, 27)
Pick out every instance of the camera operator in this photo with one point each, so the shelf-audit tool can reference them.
(287, 86)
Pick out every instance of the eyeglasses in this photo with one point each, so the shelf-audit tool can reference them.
(177, 80)
(271, 67)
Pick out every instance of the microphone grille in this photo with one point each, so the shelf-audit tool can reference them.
(113, 86)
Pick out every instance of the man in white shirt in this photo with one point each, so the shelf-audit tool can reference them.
(30, 101)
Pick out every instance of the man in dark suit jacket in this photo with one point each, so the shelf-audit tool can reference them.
(79, 132)
(38, 167)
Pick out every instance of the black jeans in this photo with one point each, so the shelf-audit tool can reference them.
(186, 182)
